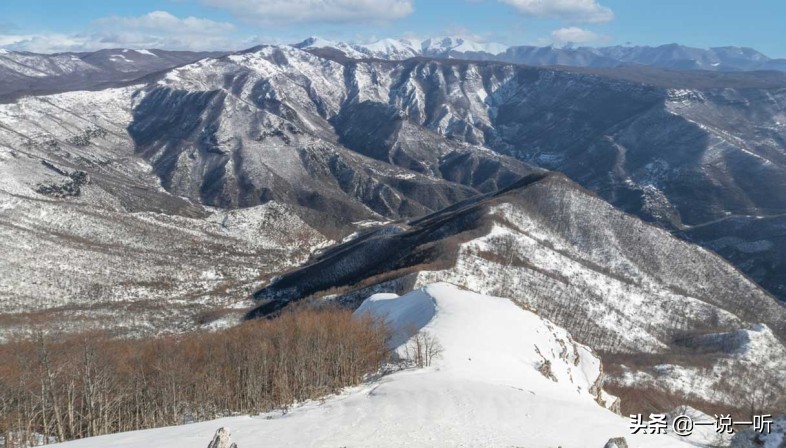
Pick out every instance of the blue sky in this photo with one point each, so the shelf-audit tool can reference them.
(56, 25)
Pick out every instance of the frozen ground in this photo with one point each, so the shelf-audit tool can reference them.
(488, 388)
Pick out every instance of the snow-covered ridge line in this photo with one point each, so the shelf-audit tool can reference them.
(673, 56)
(396, 49)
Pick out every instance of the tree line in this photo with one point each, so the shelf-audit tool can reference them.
(76, 386)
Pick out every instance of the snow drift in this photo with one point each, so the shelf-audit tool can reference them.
(489, 387)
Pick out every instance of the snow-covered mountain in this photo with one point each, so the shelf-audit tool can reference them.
(337, 142)
(102, 179)
(90, 240)
(667, 316)
(168, 199)
(683, 149)
(25, 73)
(400, 49)
(670, 56)
(503, 377)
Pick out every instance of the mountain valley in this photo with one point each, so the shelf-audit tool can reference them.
(640, 208)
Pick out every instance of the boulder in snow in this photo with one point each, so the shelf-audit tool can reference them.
(222, 439)
(617, 442)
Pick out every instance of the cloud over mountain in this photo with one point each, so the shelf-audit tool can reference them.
(326, 11)
(588, 11)
(576, 35)
(156, 29)
(158, 21)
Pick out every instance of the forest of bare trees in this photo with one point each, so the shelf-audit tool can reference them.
(71, 387)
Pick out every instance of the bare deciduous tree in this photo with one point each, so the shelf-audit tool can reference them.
(422, 349)
(91, 384)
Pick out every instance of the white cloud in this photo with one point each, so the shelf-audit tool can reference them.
(569, 10)
(158, 29)
(166, 23)
(575, 35)
(327, 11)
(44, 43)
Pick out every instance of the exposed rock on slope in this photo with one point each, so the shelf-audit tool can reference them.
(222, 439)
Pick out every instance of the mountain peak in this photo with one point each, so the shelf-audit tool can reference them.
(314, 42)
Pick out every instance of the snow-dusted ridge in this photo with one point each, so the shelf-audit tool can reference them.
(672, 56)
(283, 126)
(398, 49)
(626, 289)
(487, 389)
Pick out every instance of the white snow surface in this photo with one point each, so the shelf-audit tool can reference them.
(484, 391)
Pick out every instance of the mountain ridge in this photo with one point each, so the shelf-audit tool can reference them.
(367, 139)
(668, 56)
(640, 297)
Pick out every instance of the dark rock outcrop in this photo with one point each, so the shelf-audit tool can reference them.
(617, 442)
(222, 439)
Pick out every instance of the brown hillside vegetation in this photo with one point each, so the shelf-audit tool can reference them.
(90, 384)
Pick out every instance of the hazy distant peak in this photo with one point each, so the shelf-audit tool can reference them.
(671, 56)
(396, 49)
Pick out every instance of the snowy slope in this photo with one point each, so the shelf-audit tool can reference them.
(283, 124)
(628, 290)
(775, 439)
(242, 152)
(25, 73)
(121, 253)
(485, 390)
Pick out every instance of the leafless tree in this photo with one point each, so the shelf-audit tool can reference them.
(77, 386)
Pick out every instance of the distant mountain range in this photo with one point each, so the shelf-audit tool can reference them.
(34, 73)
(671, 56)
